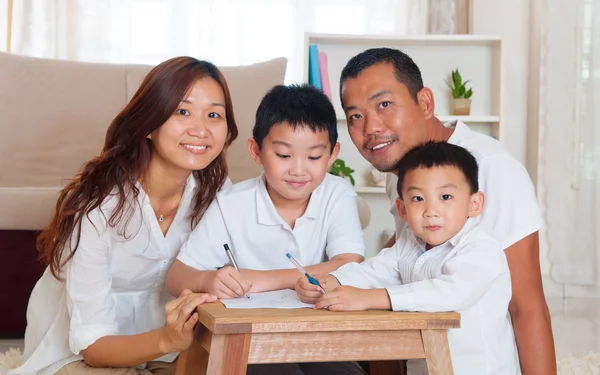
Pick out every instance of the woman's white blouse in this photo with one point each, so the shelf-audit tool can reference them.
(114, 285)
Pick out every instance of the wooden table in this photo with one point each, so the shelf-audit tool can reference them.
(227, 340)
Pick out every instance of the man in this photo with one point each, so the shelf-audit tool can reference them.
(388, 112)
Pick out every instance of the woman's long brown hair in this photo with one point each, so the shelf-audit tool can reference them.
(126, 155)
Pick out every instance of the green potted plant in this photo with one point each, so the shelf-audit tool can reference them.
(339, 168)
(461, 94)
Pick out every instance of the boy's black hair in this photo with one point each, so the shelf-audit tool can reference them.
(295, 105)
(407, 72)
(439, 154)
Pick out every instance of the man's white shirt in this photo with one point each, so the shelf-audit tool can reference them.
(511, 210)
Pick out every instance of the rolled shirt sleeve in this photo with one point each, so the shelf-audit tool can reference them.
(88, 285)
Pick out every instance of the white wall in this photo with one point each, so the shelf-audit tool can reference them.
(517, 21)
(509, 19)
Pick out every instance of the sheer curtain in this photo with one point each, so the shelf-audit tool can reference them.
(570, 143)
(227, 32)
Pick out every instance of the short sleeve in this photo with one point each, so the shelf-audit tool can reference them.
(203, 249)
(511, 210)
(345, 235)
(88, 285)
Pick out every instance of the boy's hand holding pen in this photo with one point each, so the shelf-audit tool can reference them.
(228, 282)
(309, 288)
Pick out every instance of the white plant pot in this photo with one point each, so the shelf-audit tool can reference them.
(462, 107)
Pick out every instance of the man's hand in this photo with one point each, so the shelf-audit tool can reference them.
(310, 293)
(228, 283)
(347, 298)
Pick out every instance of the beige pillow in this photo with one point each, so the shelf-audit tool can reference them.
(54, 115)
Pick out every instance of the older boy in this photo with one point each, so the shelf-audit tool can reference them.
(295, 206)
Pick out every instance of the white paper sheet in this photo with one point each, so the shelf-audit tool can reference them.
(278, 299)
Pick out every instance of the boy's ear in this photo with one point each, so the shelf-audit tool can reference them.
(401, 209)
(334, 154)
(476, 204)
(254, 150)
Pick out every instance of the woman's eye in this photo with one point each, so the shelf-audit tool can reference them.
(183, 112)
(446, 197)
(417, 199)
(214, 115)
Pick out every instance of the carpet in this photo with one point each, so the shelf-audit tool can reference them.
(569, 365)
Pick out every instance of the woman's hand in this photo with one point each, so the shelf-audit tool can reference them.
(178, 332)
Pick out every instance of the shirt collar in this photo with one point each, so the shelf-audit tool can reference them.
(267, 213)
(459, 129)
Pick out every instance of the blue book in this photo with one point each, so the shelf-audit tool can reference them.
(314, 72)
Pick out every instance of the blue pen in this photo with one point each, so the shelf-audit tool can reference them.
(311, 279)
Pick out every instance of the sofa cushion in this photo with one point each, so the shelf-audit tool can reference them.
(54, 115)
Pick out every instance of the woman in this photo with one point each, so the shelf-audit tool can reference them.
(101, 305)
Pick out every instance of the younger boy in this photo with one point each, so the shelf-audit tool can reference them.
(444, 262)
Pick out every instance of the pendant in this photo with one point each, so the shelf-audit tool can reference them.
(161, 218)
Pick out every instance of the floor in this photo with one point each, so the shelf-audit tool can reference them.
(575, 322)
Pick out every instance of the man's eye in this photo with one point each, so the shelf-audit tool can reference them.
(384, 104)
(283, 156)
(446, 197)
(417, 199)
(183, 112)
(355, 116)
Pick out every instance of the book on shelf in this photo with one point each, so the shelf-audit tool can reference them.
(314, 71)
(324, 75)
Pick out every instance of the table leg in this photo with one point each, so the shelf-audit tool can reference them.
(228, 354)
(395, 367)
(437, 351)
(192, 361)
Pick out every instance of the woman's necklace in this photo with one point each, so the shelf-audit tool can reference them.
(161, 217)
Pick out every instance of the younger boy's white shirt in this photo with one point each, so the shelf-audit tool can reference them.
(244, 217)
(511, 209)
(468, 274)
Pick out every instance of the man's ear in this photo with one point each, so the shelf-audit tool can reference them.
(401, 209)
(334, 154)
(254, 150)
(426, 102)
(476, 204)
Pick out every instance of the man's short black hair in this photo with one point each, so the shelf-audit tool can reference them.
(295, 105)
(407, 72)
(439, 154)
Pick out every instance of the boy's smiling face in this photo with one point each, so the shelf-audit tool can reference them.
(436, 202)
(295, 161)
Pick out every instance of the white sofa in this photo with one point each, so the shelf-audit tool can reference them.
(54, 115)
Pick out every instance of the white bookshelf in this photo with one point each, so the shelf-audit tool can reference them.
(479, 59)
